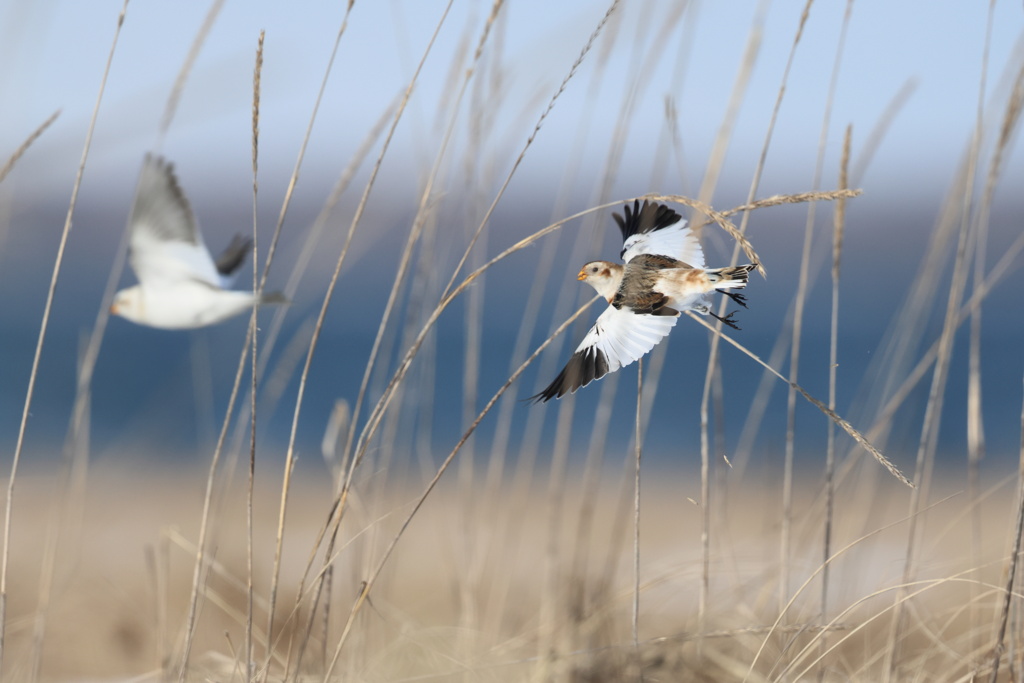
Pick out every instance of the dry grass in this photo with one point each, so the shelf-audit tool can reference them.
(107, 617)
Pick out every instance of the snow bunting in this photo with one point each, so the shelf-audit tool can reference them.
(180, 285)
(663, 275)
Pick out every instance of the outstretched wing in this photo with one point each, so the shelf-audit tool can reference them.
(618, 338)
(656, 229)
(165, 245)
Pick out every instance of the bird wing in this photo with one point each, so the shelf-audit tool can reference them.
(618, 337)
(165, 245)
(656, 229)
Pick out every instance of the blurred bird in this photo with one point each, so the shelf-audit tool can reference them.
(180, 285)
(663, 275)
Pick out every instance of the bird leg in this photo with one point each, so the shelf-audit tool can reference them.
(735, 296)
(727, 319)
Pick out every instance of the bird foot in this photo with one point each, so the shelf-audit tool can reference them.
(736, 296)
(727, 319)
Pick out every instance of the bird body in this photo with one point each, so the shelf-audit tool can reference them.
(189, 304)
(180, 285)
(663, 275)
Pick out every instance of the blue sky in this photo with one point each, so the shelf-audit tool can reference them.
(53, 53)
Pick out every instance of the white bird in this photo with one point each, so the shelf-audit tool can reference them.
(180, 286)
(663, 275)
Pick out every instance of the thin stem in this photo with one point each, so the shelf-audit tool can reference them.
(830, 451)
(636, 521)
(289, 464)
(23, 147)
(1011, 573)
(254, 356)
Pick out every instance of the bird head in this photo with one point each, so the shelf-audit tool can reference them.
(128, 303)
(603, 276)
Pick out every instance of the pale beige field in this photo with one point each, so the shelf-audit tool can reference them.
(484, 589)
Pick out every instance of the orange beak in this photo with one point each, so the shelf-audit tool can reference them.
(582, 274)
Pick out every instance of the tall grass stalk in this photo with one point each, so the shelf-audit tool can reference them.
(254, 355)
(292, 353)
(198, 580)
(744, 449)
(877, 134)
(423, 215)
(215, 460)
(354, 461)
(510, 522)
(290, 458)
(669, 146)
(1011, 570)
(924, 462)
(77, 439)
(644, 54)
(67, 508)
(839, 225)
(741, 84)
(969, 227)
(43, 326)
(485, 102)
(798, 313)
(550, 639)
(529, 141)
(565, 298)
(103, 316)
(636, 518)
(23, 147)
(831, 414)
(975, 419)
(171, 108)
(705, 456)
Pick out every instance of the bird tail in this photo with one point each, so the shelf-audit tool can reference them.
(230, 260)
(734, 277)
(274, 298)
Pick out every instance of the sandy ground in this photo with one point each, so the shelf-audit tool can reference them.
(481, 582)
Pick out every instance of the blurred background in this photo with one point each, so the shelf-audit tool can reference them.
(640, 115)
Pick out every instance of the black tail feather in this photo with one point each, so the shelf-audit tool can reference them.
(233, 255)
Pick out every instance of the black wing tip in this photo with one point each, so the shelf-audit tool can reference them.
(159, 161)
(648, 217)
(166, 169)
(583, 368)
(233, 256)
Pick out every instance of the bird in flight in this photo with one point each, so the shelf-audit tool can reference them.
(180, 285)
(663, 275)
